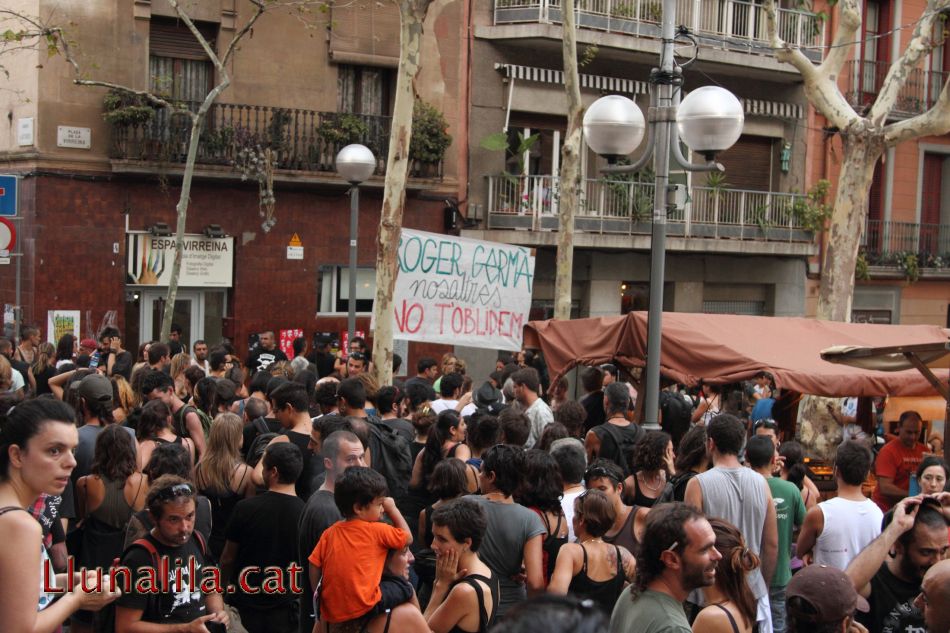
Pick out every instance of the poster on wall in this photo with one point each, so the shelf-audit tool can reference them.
(60, 322)
(459, 291)
(9, 320)
(205, 262)
(287, 338)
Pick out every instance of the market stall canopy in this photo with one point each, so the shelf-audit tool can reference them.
(925, 358)
(730, 348)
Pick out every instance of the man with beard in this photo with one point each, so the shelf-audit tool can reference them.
(265, 354)
(678, 555)
(200, 356)
(890, 570)
(176, 601)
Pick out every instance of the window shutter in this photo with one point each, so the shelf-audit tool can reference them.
(168, 38)
(365, 32)
(749, 163)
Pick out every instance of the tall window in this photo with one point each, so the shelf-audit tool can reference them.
(874, 57)
(178, 66)
(364, 90)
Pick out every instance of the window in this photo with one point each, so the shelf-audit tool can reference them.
(749, 308)
(874, 57)
(871, 316)
(364, 90)
(178, 65)
(335, 289)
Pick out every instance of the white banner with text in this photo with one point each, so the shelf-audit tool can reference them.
(460, 291)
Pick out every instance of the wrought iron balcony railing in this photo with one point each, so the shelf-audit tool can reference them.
(890, 243)
(303, 140)
(864, 80)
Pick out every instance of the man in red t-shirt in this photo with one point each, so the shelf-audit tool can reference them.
(897, 461)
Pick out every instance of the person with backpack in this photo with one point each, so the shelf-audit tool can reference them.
(389, 452)
(291, 407)
(616, 437)
(174, 547)
(187, 421)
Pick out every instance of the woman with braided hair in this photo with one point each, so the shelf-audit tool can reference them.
(730, 606)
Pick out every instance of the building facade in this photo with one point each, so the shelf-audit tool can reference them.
(100, 175)
(738, 245)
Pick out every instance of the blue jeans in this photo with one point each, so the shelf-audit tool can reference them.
(777, 602)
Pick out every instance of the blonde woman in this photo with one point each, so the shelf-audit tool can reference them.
(123, 398)
(222, 476)
(180, 362)
(6, 377)
(44, 367)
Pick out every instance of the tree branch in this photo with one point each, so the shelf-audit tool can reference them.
(933, 122)
(920, 44)
(785, 52)
(261, 7)
(849, 16)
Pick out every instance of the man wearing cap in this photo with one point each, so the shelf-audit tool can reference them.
(95, 404)
(934, 598)
(822, 599)
(890, 570)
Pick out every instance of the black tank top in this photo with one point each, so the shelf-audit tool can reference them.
(604, 593)
(222, 506)
(551, 544)
(640, 499)
(484, 619)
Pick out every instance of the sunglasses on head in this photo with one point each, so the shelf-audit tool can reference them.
(175, 491)
(358, 355)
(595, 472)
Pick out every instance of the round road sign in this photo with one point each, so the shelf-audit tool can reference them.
(7, 235)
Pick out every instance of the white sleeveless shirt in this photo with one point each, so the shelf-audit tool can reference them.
(850, 526)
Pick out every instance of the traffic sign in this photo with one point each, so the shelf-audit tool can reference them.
(8, 196)
(7, 235)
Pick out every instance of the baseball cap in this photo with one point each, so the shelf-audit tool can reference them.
(88, 343)
(827, 592)
(96, 387)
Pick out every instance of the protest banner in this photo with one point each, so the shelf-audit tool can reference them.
(461, 291)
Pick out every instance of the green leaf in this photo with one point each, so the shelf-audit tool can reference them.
(495, 142)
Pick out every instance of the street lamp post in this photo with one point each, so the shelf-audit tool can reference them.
(708, 120)
(355, 163)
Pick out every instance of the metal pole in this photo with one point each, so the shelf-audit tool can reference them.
(661, 167)
(354, 228)
(18, 309)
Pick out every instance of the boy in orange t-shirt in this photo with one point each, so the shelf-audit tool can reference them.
(351, 554)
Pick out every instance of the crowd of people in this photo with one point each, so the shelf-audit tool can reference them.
(176, 490)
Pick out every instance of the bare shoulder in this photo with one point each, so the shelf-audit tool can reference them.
(21, 523)
(712, 619)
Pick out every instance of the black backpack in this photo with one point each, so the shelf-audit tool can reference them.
(256, 450)
(623, 444)
(391, 456)
(676, 415)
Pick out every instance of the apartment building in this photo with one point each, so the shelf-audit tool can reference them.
(905, 256)
(100, 176)
(738, 246)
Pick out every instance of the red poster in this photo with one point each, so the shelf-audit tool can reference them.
(287, 338)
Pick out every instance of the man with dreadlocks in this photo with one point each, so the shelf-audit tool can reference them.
(678, 554)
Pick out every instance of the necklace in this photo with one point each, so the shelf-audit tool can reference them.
(596, 539)
(654, 487)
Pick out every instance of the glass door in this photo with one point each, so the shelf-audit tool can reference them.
(187, 314)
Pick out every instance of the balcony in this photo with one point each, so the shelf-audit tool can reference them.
(727, 24)
(615, 207)
(890, 245)
(302, 140)
(920, 92)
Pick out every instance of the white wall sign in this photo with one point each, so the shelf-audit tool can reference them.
(206, 262)
(24, 131)
(74, 137)
(295, 252)
(462, 292)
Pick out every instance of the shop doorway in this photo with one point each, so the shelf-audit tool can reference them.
(200, 314)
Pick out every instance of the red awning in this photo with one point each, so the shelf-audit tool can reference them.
(729, 348)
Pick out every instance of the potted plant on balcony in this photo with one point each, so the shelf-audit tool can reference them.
(429, 141)
(125, 110)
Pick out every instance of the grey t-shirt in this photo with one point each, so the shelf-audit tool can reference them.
(510, 526)
(651, 612)
(738, 495)
(319, 514)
